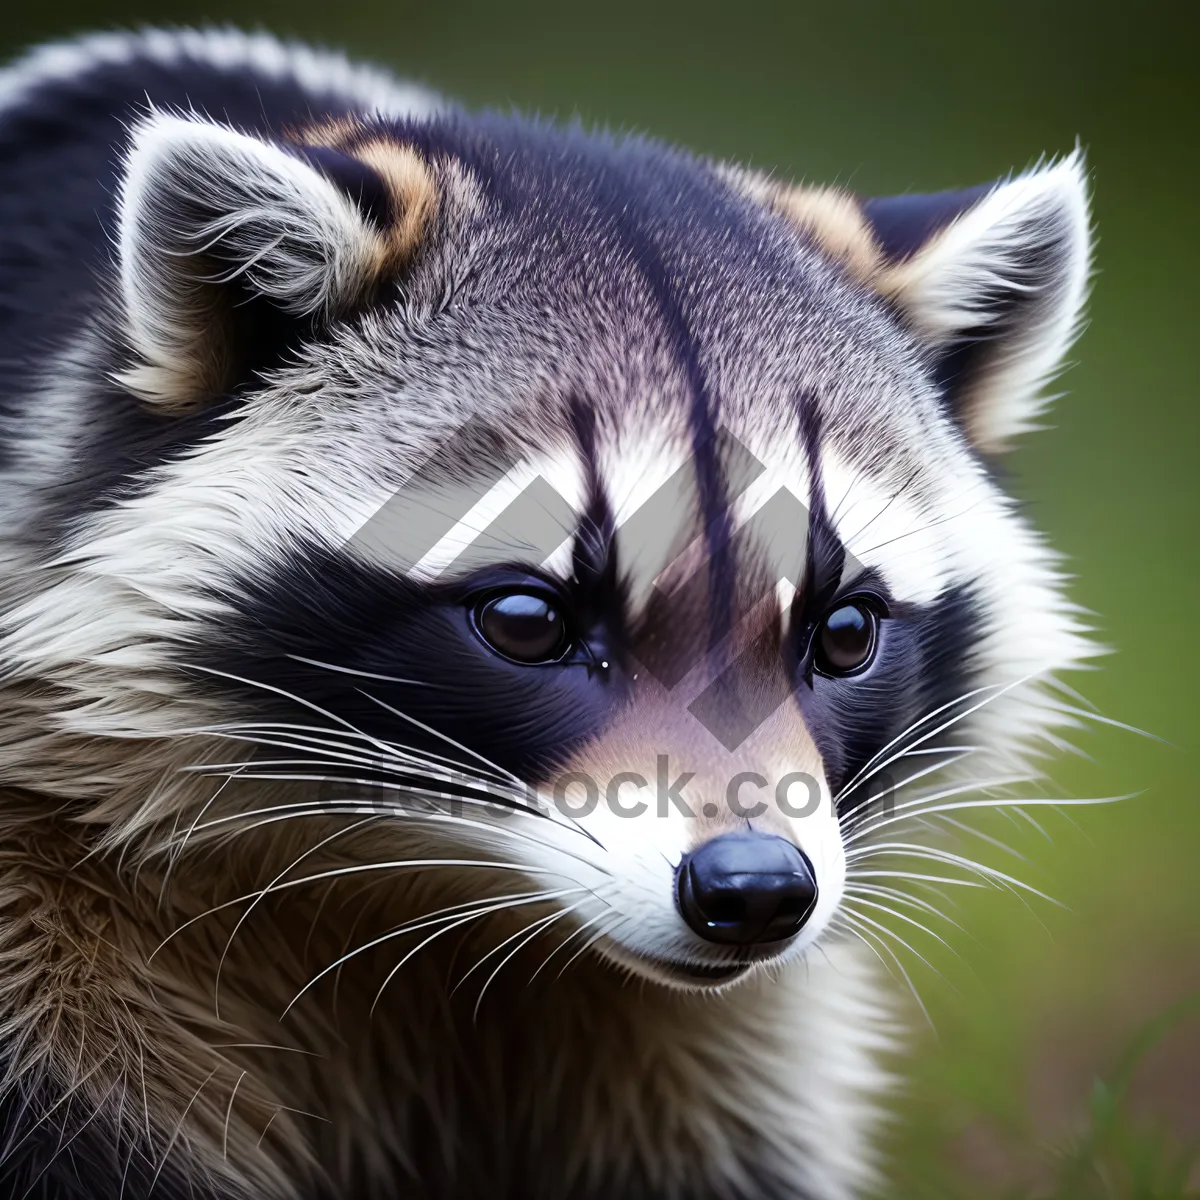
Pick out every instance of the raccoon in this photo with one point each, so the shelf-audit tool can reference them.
(483, 605)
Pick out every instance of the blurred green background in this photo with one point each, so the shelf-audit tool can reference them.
(889, 97)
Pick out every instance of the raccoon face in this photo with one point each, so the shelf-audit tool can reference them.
(571, 505)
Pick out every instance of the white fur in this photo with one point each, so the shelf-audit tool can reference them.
(323, 72)
(945, 287)
(279, 223)
(561, 472)
(92, 637)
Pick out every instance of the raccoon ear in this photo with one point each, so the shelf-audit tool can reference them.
(227, 243)
(995, 280)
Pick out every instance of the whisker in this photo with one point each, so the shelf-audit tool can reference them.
(903, 812)
(334, 807)
(485, 795)
(358, 869)
(873, 764)
(241, 731)
(314, 662)
(964, 828)
(603, 932)
(411, 927)
(918, 878)
(489, 953)
(581, 928)
(264, 1046)
(398, 758)
(532, 931)
(411, 788)
(1027, 817)
(445, 737)
(285, 694)
(936, 854)
(337, 833)
(1013, 803)
(228, 1114)
(174, 858)
(877, 943)
(947, 756)
(1089, 715)
(375, 741)
(900, 897)
(902, 917)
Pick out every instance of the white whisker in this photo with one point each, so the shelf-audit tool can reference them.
(879, 945)
(314, 662)
(297, 810)
(899, 897)
(604, 931)
(923, 804)
(899, 917)
(359, 869)
(873, 765)
(582, 928)
(337, 833)
(531, 932)
(1013, 803)
(410, 927)
(935, 854)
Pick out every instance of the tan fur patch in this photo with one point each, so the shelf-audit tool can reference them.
(407, 176)
(413, 194)
(835, 221)
(832, 217)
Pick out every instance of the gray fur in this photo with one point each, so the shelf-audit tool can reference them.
(557, 274)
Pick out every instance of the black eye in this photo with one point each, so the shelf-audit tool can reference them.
(846, 640)
(522, 626)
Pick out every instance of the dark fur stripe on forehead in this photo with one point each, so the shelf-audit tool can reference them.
(615, 192)
(825, 561)
(593, 554)
(710, 483)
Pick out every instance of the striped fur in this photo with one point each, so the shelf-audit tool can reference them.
(337, 358)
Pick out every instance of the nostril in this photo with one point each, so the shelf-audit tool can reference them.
(725, 910)
(741, 889)
(792, 906)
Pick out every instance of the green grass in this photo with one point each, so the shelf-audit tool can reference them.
(1109, 1149)
(1115, 1155)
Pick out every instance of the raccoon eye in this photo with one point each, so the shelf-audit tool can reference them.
(846, 640)
(522, 626)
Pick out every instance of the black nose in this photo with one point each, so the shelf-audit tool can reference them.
(744, 888)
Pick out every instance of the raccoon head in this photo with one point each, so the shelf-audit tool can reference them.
(563, 503)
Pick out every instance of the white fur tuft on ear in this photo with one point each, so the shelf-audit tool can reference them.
(203, 207)
(1000, 292)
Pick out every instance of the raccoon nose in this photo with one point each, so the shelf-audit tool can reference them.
(744, 888)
